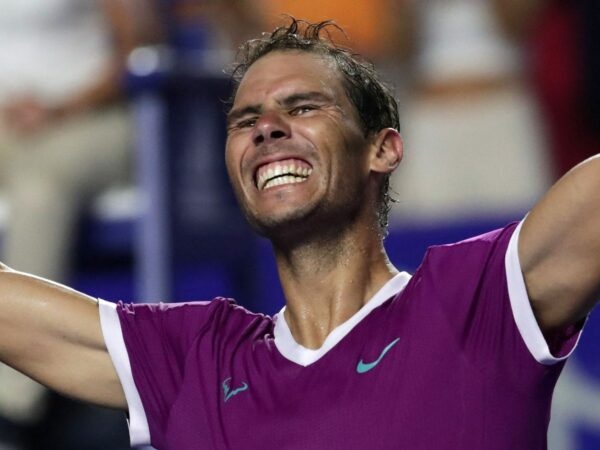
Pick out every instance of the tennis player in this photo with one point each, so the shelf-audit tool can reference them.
(463, 354)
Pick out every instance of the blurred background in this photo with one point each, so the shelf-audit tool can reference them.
(112, 177)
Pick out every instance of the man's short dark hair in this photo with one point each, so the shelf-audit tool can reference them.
(374, 101)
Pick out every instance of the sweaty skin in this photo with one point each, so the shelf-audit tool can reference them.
(324, 230)
(559, 249)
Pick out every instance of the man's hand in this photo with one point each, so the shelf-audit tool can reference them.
(52, 334)
(559, 249)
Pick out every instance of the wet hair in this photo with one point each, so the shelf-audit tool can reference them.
(376, 106)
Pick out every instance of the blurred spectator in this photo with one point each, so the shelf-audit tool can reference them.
(473, 143)
(565, 49)
(64, 136)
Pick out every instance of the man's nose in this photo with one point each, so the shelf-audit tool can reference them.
(270, 126)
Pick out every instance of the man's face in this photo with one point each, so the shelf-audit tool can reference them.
(295, 150)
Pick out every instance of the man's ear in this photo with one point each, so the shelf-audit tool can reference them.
(388, 150)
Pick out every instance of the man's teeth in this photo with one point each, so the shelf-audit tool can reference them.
(286, 179)
(285, 174)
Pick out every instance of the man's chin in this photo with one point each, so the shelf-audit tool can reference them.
(275, 227)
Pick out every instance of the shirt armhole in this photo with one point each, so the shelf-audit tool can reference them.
(139, 431)
(521, 308)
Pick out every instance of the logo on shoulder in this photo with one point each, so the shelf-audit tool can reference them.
(363, 367)
(228, 392)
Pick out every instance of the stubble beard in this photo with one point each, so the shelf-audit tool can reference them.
(278, 226)
(309, 223)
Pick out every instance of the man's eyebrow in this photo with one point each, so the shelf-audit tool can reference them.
(236, 114)
(314, 96)
(287, 102)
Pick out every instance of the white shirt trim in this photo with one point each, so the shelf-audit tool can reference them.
(521, 307)
(139, 431)
(291, 350)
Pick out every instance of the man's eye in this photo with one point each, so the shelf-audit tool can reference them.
(299, 110)
(246, 123)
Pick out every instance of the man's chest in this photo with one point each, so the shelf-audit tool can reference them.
(405, 377)
(367, 392)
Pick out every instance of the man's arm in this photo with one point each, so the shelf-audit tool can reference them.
(559, 249)
(48, 331)
(52, 333)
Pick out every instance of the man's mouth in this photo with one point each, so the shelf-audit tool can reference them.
(278, 173)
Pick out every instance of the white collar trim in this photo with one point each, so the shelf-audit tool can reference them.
(291, 350)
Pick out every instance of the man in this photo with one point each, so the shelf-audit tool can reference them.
(464, 354)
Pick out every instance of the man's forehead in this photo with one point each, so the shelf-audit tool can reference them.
(287, 71)
(294, 58)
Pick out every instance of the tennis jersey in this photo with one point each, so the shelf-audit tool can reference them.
(450, 358)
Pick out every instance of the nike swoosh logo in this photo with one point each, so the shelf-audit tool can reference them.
(363, 367)
(226, 389)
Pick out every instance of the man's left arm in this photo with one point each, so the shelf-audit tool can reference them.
(559, 249)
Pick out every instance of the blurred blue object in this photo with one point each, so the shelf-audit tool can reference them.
(587, 354)
(588, 438)
(189, 215)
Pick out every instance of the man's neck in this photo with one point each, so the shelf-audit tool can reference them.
(326, 280)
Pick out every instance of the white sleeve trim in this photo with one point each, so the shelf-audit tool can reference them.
(521, 307)
(139, 431)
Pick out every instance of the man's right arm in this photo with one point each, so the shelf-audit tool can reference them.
(53, 334)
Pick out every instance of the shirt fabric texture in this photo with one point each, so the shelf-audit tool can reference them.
(450, 358)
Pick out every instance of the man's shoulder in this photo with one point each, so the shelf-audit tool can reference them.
(471, 250)
(455, 268)
(483, 240)
(224, 304)
(220, 314)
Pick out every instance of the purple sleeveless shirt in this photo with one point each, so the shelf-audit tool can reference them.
(450, 358)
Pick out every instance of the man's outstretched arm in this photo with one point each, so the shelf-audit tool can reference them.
(53, 334)
(559, 249)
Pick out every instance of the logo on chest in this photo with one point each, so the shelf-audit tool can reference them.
(363, 367)
(228, 392)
